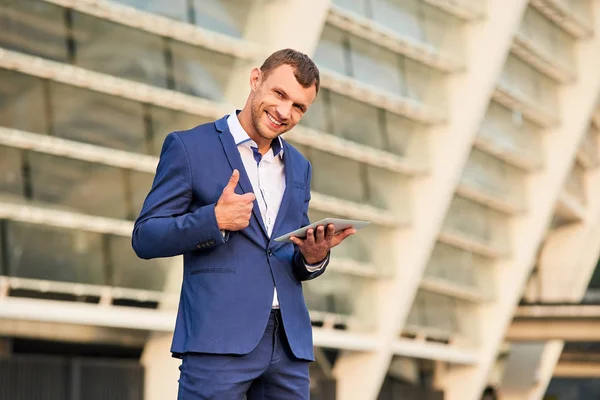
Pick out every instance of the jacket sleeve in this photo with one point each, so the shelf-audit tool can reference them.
(301, 268)
(166, 227)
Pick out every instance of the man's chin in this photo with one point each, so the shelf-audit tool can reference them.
(267, 133)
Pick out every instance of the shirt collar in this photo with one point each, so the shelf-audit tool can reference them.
(240, 136)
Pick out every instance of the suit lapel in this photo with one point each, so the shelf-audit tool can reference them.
(288, 164)
(235, 161)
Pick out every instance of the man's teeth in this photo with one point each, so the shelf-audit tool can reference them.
(273, 120)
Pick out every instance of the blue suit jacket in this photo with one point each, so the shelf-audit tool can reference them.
(228, 284)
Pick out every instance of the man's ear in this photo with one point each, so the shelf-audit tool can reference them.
(255, 77)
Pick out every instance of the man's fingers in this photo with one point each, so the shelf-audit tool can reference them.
(341, 236)
(233, 181)
(344, 234)
(330, 232)
(310, 237)
(323, 234)
(320, 235)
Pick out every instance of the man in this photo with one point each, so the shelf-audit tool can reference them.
(223, 192)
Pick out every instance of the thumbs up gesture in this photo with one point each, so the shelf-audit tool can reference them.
(233, 211)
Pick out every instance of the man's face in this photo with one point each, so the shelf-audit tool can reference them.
(278, 102)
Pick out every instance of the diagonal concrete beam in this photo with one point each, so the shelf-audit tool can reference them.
(566, 265)
(488, 41)
(576, 105)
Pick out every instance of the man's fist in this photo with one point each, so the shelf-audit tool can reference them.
(233, 211)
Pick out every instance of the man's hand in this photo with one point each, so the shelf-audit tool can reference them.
(317, 244)
(233, 211)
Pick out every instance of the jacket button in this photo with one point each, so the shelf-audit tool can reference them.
(270, 253)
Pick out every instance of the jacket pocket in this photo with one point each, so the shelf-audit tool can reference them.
(212, 271)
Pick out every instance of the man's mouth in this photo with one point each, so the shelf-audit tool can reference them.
(273, 120)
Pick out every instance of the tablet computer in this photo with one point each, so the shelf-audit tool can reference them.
(340, 225)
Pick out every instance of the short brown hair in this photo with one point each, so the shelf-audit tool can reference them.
(305, 70)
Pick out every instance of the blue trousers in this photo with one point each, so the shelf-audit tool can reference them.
(269, 372)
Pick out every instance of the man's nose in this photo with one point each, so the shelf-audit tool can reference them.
(284, 110)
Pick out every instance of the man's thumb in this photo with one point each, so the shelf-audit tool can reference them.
(233, 181)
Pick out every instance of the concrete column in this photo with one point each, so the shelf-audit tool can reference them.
(488, 41)
(576, 104)
(566, 265)
(161, 370)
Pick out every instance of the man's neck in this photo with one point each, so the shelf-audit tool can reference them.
(245, 119)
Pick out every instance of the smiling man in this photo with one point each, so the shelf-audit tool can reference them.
(222, 192)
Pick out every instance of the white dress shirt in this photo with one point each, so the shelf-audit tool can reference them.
(267, 176)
